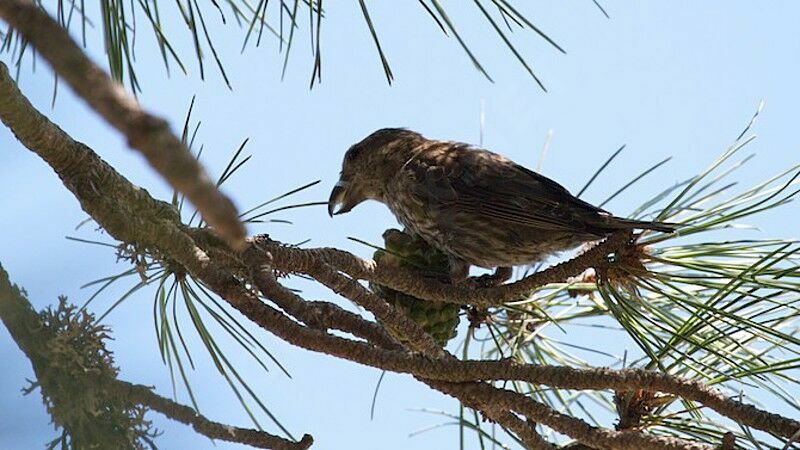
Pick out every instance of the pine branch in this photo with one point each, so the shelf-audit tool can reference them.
(306, 261)
(145, 132)
(34, 339)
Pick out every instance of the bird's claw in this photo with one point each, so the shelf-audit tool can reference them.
(488, 280)
(500, 276)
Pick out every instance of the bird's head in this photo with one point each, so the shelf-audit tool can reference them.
(368, 166)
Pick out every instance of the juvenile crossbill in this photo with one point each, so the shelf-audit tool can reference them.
(476, 206)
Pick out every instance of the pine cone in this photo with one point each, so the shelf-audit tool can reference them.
(438, 319)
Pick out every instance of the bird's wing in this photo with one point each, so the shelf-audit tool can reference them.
(487, 184)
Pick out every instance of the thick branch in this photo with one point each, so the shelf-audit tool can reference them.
(127, 212)
(145, 132)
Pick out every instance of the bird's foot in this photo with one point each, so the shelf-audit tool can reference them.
(485, 281)
(500, 276)
(477, 316)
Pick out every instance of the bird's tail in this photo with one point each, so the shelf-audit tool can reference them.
(625, 224)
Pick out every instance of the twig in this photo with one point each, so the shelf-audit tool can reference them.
(558, 377)
(306, 261)
(356, 325)
(525, 430)
(729, 442)
(418, 339)
(318, 315)
(562, 423)
(213, 430)
(145, 132)
(125, 211)
(453, 370)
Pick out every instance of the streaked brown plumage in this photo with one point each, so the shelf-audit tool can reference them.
(476, 206)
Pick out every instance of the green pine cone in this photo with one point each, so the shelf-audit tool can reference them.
(438, 319)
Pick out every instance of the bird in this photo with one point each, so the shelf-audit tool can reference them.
(477, 207)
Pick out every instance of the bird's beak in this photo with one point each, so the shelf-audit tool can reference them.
(339, 198)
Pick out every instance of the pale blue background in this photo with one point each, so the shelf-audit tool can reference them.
(667, 78)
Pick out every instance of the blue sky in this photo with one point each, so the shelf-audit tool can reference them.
(674, 79)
